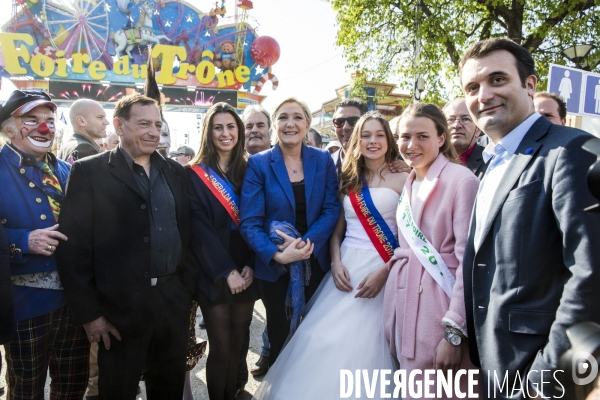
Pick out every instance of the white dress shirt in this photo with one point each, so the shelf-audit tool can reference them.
(501, 154)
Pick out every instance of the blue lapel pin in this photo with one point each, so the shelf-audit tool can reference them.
(529, 150)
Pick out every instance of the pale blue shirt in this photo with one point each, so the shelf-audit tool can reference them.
(501, 154)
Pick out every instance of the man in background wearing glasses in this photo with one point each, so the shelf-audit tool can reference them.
(463, 135)
(346, 114)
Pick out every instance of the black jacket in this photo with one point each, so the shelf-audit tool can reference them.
(78, 147)
(475, 162)
(105, 264)
(211, 233)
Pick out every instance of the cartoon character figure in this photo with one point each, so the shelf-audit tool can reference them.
(218, 10)
(225, 58)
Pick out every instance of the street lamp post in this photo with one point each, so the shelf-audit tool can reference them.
(578, 55)
(419, 82)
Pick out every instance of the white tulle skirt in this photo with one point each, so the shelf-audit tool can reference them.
(338, 333)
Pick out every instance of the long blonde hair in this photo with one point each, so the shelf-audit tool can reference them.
(353, 168)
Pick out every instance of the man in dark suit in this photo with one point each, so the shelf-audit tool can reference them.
(463, 135)
(531, 261)
(127, 216)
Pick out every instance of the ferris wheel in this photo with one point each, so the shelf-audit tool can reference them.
(78, 26)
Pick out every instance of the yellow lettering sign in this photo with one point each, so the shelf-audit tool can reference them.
(12, 54)
(42, 65)
(121, 67)
(242, 74)
(61, 63)
(78, 61)
(226, 78)
(96, 68)
(168, 53)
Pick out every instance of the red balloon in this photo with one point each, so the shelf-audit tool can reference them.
(265, 51)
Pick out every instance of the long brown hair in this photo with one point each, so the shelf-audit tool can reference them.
(353, 168)
(208, 153)
(437, 116)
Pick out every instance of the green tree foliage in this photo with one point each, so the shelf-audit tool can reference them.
(379, 36)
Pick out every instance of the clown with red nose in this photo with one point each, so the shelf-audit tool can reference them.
(33, 183)
(29, 119)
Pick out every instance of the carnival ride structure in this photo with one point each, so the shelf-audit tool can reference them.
(113, 35)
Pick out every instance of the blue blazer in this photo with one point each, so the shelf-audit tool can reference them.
(267, 196)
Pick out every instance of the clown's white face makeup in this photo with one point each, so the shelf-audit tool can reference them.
(164, 146)
(35, 132)
(44, 129)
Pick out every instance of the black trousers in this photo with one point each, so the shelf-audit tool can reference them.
(159, 353)
(273, 296)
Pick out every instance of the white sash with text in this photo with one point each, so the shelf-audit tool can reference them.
(423, 249)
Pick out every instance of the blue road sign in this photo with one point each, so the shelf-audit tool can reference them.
(591, 99)
(566, 82)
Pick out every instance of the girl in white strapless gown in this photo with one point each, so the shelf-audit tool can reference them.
(340, 331)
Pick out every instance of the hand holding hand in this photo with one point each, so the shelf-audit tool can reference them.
(397, 166)
(447, 356)
(248, 275)
(287, 240)
(236, 282)
(44, 241)
(370, 287)
(341, 277)
(295, 252)
(99, 329)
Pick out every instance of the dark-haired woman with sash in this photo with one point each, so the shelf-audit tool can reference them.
(424, 313)
(343, 328)
(226, 292)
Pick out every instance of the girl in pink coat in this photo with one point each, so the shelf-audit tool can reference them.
(424, 318)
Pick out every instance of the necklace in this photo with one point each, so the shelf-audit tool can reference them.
(294, 170)
(221, 169)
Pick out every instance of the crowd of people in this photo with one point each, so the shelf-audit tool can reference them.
(447, 238)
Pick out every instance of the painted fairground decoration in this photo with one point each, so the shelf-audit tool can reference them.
(99, 49)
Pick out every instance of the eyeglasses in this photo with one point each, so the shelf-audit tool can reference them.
(339, 122)
(462, 120)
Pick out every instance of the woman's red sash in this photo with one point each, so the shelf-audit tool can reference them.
(221, 191)
(377, 229)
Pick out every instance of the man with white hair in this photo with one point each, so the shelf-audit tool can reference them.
(257, 122)
(112, 141)
(89, 122)
(33, 183)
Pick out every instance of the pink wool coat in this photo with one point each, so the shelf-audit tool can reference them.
(414, 304)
